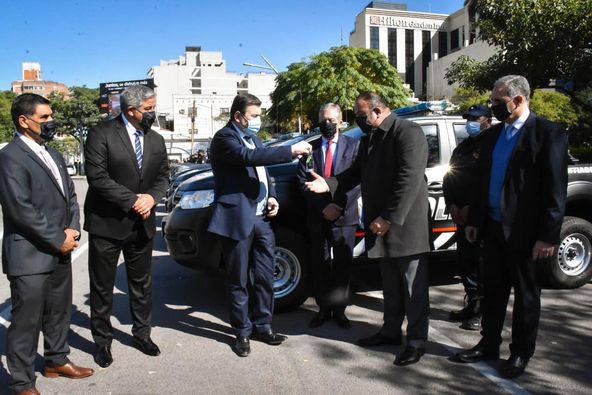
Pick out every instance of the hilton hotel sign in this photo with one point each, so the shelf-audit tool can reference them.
(406, 23)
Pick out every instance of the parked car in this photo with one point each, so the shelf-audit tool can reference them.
(189, 243)
(71, 170)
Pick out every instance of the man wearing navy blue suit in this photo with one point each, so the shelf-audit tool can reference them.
(332, 242)
(519, 214)
(245, 203)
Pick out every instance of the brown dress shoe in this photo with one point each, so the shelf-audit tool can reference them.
(29, 391)
(68, 370)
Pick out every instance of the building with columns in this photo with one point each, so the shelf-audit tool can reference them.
(419, 45)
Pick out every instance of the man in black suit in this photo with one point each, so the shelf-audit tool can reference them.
(390, 166)
(244, 205)
(460, 183)
(519, 214)
(332, 242)
(41, 228)
(127, 172)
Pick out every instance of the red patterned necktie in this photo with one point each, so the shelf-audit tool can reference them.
(328, 160)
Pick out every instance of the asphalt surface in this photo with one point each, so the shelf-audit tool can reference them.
(189, 325)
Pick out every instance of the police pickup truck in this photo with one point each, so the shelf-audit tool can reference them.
(189, 243)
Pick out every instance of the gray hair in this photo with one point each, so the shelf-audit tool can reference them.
(328, 106)
(134, 96)
(516, 85)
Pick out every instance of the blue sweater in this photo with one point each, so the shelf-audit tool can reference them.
(499, 164)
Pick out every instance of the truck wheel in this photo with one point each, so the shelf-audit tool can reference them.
(291, 272)
(572, 266)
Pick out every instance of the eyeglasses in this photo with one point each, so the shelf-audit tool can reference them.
(491, 103)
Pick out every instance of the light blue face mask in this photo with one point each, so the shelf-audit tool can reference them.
(254, 125)
(473, 128)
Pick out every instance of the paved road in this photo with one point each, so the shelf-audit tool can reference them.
(191, 330)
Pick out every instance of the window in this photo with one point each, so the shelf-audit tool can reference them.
(409, 59)
(442, 44)
(460, 132)
(392, 47)
(374, 37)
(431, 133)
(426, 56)
(454, 41)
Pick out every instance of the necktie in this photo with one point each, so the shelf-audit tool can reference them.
(509, 131)
(138, 149)
(328, 160)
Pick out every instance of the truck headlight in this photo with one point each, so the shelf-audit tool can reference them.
(196, 199)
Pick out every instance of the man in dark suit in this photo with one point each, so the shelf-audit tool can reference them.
(332, 242)
(127, 172)
(519, 214)
(41, 228)
(244, 205)
(460, 183)
(390, 167)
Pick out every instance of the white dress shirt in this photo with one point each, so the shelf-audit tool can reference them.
(41, 151)
(131, 131)
(517, 125)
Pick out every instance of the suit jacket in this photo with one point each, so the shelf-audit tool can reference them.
(346, 151)
(535, 186)
(114, 179)
(236, 185)
(35, 211)
(461, 182)
(390, 167)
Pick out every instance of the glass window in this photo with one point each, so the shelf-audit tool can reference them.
(374, 37)
(426, 56)
(454, 42)
(392, 47)
(460, 132)
(442, 44)
(409, 59)
(431, 133)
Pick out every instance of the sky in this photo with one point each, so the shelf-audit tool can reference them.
(86, 42)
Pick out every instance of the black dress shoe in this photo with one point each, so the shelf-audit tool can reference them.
(320, 318)
(477, 354)
(342, 320)
(271, 338)
(410, 356)
(473, 324)
(103, 356)
(147, 346)
(378, 339)
(513, 367)
(242, 347)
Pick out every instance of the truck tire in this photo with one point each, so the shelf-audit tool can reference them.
(572, 265)
(291, 272)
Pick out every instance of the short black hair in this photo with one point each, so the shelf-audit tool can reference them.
(242, 101)
(374, 99)
(26, 104)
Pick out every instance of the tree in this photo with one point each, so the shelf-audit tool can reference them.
(541, 39)
(6, 125)
(554, 106)
(337, 76)
(466, 97)
(76, 112)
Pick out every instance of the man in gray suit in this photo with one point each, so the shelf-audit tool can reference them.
(41, 228)
(390, 167)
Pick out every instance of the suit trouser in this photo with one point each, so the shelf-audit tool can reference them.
(331, 276)
(406, 293)
(250, 264)
(506, 268)
(468, 256)
(40, 302)
(102, 266)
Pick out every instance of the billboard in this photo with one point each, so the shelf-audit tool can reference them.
(110, 91)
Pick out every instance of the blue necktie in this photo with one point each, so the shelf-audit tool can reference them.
(139, 148)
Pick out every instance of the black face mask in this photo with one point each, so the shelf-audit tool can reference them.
(148, 119)
(47, 129)
(500, 111)
(328, 130)
(362, 124)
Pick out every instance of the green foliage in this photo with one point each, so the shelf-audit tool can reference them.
(554, 106)
(337, 76)
(583, 153)
(78, 111)
(6, 126)
(67, 146)
(466, 97)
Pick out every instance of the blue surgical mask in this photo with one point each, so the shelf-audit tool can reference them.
(254, 125)
(473, 128)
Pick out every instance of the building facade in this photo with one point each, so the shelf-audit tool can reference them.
(32, 82)
(200, 79)
(419, 45)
